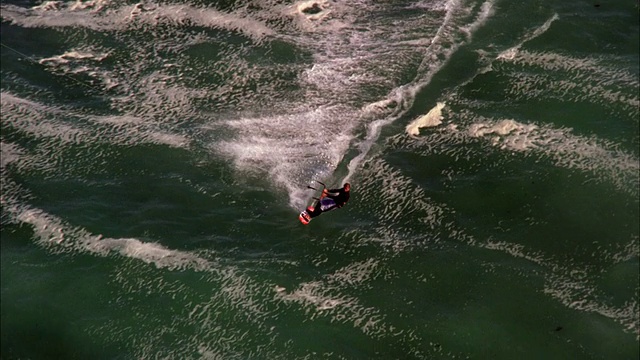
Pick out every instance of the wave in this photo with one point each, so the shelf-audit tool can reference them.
(409, 220)
(111, 16)
(237, 292)
(602, 159)
(510, 53)
(488, 56)
(74, 55)
(322, 298)
(592, 80)
(311, 135)
(58, 236)
(68, 127)
(455, 30)
(566, 150)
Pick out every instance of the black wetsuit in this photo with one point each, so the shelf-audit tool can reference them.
(338, 197)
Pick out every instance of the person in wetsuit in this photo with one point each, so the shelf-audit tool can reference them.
(330, 199)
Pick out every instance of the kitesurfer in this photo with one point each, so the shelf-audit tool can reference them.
(329, 200)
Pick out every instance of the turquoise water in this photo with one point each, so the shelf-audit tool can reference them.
(155, 157)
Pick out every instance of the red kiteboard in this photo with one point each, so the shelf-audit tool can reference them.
(304, 216)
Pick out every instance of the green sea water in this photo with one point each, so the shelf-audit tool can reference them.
(156, 155)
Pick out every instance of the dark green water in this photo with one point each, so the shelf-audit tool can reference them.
(155, 157)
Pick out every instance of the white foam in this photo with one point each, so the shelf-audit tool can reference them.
(431, 119)
(153, 253)
(307, 8)
(486, 11)
(53, 233)
(88, 15)
(447, 40)
(578, 294)
(277, 146)
(37, 119)
(566, 149)
(310, 294)
(44, 121)
(74, 55)
(345, 62)
(572, 284)
(315, 15)
(513, 51)
(94, 5)
(343, 76)
(513, 135)
(207, 17)
(592, 79)
(355, 274)
(49, 6)
(11, 153)
(629, 251)
(323, 297)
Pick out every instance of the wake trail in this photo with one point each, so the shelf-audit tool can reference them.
(447, 40)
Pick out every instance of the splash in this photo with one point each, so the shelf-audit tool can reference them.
(276, 145)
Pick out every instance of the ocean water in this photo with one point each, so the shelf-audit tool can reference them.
(156, 154)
